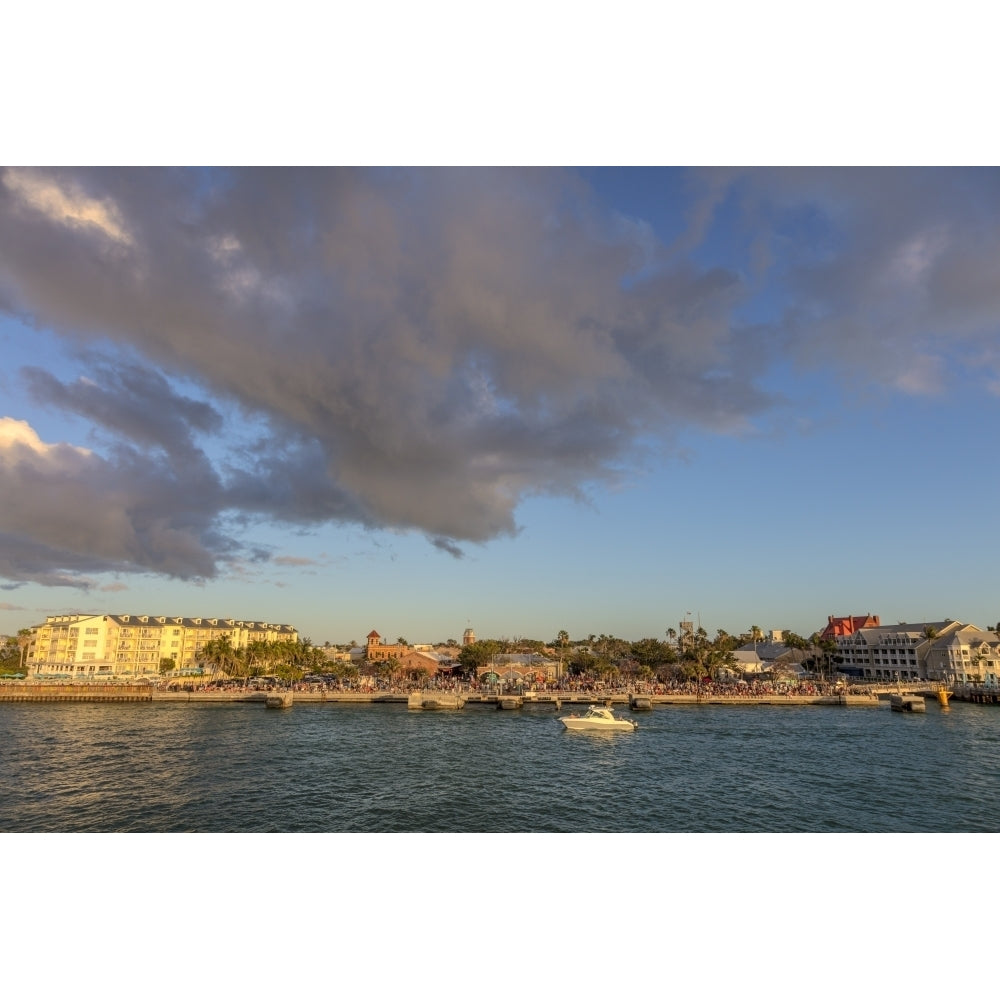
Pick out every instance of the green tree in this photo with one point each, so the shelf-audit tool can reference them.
(476, 656)
(581, 663)
(9, 657)
(219, 654)
(562, 640)
(167, 663)
(652, 653)
(794, 641)
(12, 650)
(23, 642)
(703, 657)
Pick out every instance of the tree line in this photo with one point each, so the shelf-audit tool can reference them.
(12, 652)
(284, 658)
(685, 656)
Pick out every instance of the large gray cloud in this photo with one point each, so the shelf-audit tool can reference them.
(423, 349)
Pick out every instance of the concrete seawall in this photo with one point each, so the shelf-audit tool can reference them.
(15, 692)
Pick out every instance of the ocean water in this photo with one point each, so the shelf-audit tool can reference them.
(381, 768)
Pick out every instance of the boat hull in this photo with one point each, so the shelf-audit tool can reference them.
(583, 724)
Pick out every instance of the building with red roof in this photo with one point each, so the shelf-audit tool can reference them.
(838, 627)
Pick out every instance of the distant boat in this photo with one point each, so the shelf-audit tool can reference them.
(907, 703)
(281, 700)
(640, 703)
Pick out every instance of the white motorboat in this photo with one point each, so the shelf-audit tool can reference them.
(598, 719)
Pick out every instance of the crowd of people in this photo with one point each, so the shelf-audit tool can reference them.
(567, 685)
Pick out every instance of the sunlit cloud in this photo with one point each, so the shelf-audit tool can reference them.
(66, 203)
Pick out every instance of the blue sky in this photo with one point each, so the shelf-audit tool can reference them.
(521, 400)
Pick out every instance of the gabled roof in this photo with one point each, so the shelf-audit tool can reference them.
(847, 625)
(769, 652)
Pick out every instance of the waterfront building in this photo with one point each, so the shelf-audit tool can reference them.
(377, 650)
(416, 659)
(771, 656)
(837, 628)
(525, 667)
(892, 652)
(968, 655)
(421, 661)
(101, 647)
(747, 662)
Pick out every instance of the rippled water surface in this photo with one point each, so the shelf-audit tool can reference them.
(382, 768)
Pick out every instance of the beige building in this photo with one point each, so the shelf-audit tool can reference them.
(97, 647)
(894, 652)
(968, 655)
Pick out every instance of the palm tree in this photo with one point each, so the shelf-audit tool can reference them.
(219, 654)
(563, 639)
(23, 641)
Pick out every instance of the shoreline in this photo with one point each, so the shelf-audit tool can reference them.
(143, 693)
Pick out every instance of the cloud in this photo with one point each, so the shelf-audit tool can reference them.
(65, 203)
(69, 513)
(18, 435)
(4, 606)
(920, 375)
(422, 349)
(879, 265)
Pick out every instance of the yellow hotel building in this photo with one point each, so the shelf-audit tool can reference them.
(99, 647)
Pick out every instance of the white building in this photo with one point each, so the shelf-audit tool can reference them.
(968, 655)
(893, 652)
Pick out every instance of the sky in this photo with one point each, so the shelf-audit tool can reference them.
(514, 399)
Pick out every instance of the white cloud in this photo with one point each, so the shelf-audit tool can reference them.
(67, 205)
(20, 434)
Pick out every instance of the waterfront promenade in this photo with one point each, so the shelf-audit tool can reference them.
(871, 696)
(13, 692)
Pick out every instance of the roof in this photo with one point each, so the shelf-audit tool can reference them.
(968, 635)
(847, 625)
(917, 630)
(135, 621)
(768, 652)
